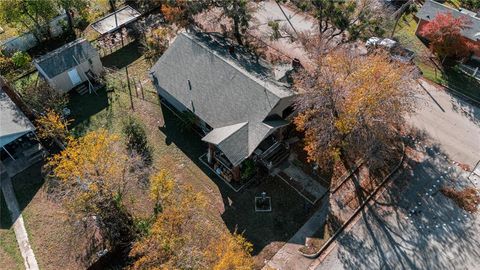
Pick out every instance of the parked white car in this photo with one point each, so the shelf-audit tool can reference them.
(393, 47)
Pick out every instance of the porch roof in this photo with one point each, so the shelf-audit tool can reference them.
(13, 123)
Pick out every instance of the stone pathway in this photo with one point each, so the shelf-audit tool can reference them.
(18, 226)
(303, 183)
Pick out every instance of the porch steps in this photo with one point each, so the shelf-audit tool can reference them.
(82, 89)
(276, 155)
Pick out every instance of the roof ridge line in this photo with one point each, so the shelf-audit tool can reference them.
(235, 65)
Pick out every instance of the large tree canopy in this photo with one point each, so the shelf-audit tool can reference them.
(32, 15)
(351, 106)
(339, 21)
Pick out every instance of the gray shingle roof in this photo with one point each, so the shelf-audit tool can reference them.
(61, 59)
(13, 123)
(430, 9)
(233, 93)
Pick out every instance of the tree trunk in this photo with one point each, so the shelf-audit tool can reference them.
(236, 31)
(70, 21)
(112, 5)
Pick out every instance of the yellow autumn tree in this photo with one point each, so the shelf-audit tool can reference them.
(51, 125)
(351, 106)
(183, 237)
(230, 252)
(90, 177)
(161, 187)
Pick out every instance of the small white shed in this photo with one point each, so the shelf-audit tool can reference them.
(70, 65)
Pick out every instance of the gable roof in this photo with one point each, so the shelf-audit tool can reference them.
(13, 123)
(231, 92)
(63, 58)
(430, 9)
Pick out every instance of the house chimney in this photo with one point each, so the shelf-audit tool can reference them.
(296, 63)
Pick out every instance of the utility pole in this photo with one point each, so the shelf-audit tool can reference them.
(286, 17)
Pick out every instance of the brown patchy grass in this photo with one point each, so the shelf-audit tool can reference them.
(45, 221)
(467, 198)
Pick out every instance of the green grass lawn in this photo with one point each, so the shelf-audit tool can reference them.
(451, 77)
(10, 257)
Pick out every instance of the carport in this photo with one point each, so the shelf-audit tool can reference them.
(13, 123)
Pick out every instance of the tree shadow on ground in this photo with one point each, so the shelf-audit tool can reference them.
(123, 56)
(83, 107)
(289, 210)
(412, 225)
(467, 108)
(26, 185)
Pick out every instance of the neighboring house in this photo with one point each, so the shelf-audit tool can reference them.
(27, 41)
(19, 146)
(234, 96)
(72, 65)
(430, 9)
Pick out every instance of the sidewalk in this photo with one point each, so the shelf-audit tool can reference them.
(18, 225)
(288, 257)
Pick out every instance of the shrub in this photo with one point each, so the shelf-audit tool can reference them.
(248, 169)
(467, 198)
(21, 59)
(136, 137)
(6, 64)
(41, 97)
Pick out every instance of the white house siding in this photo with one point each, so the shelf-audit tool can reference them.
(62, 81)
(282, 105)
(171, 100)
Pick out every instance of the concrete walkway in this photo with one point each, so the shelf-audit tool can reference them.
(288, 257)
(18, 225)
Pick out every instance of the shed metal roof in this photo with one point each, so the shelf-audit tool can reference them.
(65, 57)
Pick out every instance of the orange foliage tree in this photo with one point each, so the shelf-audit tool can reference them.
(445, 37)
(351, 105)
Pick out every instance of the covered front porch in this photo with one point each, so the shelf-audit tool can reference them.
(268, 154)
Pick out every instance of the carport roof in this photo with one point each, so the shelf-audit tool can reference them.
(108, 23)
(13, 123)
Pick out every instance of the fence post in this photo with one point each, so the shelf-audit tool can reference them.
(135, 84)
(129, 88)
(141, 88)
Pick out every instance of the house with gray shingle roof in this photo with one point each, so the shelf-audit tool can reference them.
(233, 94)
(70, 65)
(430, 9)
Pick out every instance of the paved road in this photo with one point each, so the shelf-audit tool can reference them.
(451, 122)
(438, 235)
